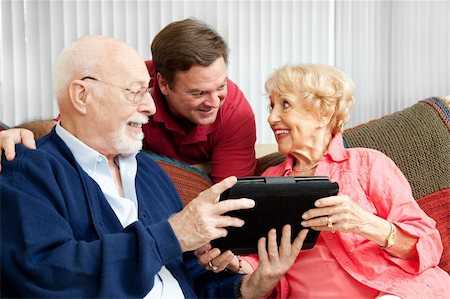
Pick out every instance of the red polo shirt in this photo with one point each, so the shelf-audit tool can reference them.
(228, 143)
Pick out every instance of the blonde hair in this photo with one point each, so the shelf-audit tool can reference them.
(324, 89)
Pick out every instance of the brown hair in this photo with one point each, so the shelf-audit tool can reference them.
(325, 89)
(183, 44)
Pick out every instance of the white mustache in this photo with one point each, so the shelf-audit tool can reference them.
(139, 118)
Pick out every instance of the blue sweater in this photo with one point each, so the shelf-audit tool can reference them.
(61, 238)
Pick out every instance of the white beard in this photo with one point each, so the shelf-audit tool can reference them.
(126, 145)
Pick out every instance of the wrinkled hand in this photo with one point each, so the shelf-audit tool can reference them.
(207, 256)
(9, 138)
(202, 220)
(340, 212)
(273, 262)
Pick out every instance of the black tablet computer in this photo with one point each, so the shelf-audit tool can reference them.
(278, 201)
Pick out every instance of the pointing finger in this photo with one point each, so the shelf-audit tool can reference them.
(221, 186)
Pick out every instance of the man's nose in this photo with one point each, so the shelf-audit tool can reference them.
(213, 100)
(147, 106)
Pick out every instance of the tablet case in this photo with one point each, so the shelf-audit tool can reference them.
(278, 201)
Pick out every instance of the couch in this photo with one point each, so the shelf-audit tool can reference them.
(3, 126)
(417, 139)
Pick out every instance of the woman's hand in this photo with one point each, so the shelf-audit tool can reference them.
(211, 259)
(274, 262)
(340, 213)
(337, 213)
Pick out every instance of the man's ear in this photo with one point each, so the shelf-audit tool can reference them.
(163, 84)
(78, 94)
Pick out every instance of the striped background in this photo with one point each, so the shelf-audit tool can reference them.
(397, 52)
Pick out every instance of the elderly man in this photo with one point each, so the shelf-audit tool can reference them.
(86, 215)
(201, 116)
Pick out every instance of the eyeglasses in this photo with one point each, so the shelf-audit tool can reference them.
(134, 97)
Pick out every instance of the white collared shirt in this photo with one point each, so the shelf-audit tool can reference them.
(125, 208)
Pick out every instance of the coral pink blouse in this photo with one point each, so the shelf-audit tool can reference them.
(346, 264)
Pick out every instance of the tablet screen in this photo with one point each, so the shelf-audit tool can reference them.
(278, 201)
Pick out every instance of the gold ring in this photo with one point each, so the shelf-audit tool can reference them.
(330, 223)
(214, 268)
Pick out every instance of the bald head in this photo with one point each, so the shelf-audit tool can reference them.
(91, 55)
(97, 80)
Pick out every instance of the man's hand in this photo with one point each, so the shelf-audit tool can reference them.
(9, 138)
(202, 220)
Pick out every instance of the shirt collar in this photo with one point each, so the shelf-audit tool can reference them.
(86, 156)
(336, 150)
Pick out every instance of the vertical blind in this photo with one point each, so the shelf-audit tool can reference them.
(397, 52)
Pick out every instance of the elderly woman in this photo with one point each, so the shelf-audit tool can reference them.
(374, 237)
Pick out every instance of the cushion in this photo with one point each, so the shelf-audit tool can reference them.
(265, 162)
(188, 180)
(417, 139)
(436, 205)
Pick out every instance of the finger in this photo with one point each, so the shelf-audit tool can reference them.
(210, 266)
(262, 252)
(285, 243)
(319, 212)
(298, 242)
(226, 221)
(10, 150)
(27, 138)
(228, 205)
(272, 245)
(221, 186)
(222, 261)
(324, 228)
(330, 201)
(208, 256)
(316, 222)
(220, 232)
(235, 264)
(202, 250)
